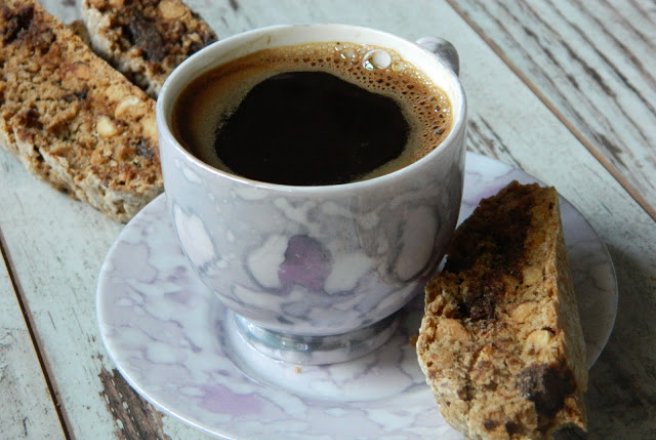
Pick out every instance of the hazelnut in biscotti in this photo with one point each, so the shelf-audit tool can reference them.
(71, 118)
(145, 39)
(500, 342)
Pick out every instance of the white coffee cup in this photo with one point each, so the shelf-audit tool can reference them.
(361, 250)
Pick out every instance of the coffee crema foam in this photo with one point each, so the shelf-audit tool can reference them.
(215, 95)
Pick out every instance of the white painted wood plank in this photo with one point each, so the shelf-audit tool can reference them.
(594, 62)
(57, 245)
(27, 410)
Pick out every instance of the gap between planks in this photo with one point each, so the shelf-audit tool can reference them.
(624, 183)
(27, 317)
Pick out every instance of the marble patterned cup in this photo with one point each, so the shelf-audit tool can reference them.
(315, 274)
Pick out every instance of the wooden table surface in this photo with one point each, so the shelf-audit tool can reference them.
(564, 89)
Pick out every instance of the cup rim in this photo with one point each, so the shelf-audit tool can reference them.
(165, 101)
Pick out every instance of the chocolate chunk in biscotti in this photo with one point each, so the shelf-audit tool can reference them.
(145, 39)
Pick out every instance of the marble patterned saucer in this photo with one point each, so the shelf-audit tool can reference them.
(178, 346)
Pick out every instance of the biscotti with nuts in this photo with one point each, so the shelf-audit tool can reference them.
(501, 342)
(71, 118)
(145, 39)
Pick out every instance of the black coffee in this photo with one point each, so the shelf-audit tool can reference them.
(311, 115)
(310, 128)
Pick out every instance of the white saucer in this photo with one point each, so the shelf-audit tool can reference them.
(177, 346)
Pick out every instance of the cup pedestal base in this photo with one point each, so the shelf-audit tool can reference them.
(317, 350)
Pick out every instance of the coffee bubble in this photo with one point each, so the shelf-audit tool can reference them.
(398, 66)
(376, 59)
(349, 54)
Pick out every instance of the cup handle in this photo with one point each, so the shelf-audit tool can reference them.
(443, 49)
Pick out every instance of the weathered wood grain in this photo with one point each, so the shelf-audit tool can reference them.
(138, 419)
(593, 63)
(27, 410)
(56, 245)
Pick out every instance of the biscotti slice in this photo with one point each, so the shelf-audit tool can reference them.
(145, 39)
(500, 342)
(71, 118)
